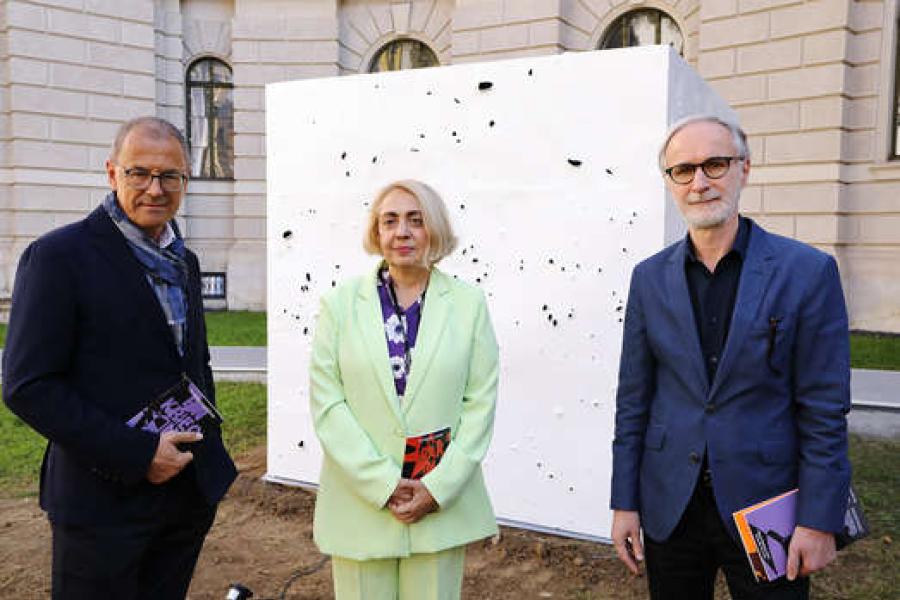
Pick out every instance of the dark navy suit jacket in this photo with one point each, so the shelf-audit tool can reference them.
(88, 346)
(774, 417)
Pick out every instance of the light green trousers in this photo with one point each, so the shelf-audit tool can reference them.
(431, 576)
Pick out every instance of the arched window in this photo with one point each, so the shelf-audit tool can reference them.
(643, 27)
(403, 54)
(210, 119)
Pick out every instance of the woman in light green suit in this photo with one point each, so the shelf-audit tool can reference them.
(399, 353)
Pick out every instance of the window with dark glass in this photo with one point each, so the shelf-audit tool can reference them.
(403, 54)
(643, 27)
(210, 119)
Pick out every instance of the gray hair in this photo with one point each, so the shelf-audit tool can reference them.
(738, 137)
(155, 126)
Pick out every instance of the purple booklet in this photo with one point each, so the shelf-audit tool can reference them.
(183, 407)
(766, 530)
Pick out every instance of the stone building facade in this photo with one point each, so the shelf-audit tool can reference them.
(814, 82)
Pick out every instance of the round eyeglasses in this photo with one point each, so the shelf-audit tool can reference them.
(713, 168)
(142, 179)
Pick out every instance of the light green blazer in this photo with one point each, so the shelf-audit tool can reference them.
(363, 427)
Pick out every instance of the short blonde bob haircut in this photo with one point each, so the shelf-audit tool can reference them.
(442, 240)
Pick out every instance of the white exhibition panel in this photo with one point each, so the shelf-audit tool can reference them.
(550, 177)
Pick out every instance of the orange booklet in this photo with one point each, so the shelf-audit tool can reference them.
(424, 452)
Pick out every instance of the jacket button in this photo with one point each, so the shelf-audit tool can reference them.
(710, 408)
(695, 458)
(398, 432)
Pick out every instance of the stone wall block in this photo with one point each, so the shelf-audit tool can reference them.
(485, 13)
(716, 9)
(527, 10)
(770, 56)
(770, 118)
(120, 109)
(311, 28)
(864, 47)
(310, 71)
(24, 70)
(717, 63)
(141, 86)
(751, 199)
(863, 80)
(544, 32)
(139, 60)
(136, 10)
(84, 25)
(820, 197)
(41, 154)
(818, 15)
(748, 6)
(49, 101)
(745, 29)
(817, 229)
(465, 42)
(46, 47)
(808, 82)
(741, 90)
(861, 113)
(859, 146)
(879, 229)
(830, 46)
(813, 146)
(86, 79)
(72, 4)
(865, 16)
(83, 131)
(249, 122)
(780, 224)
(26, 16)
(818, 113)
(24, 125)
(504, 38)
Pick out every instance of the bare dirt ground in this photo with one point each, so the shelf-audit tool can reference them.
(263, 536)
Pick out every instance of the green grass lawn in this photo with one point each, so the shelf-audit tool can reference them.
(874, 351)
(236, 328)
(242, 404)
(242, 328)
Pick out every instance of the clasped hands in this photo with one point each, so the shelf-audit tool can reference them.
(411, 501)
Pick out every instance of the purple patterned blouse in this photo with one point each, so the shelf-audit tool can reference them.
(401, 327)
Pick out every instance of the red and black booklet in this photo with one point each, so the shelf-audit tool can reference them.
(424, 452)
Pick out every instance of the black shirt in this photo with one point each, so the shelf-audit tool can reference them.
(713, 295)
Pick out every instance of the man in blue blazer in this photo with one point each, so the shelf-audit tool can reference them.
(106, 315)
(734, 385)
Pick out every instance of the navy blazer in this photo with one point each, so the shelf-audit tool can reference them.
(88, 346)
(774, 417)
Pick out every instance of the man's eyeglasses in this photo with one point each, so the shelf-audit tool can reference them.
(142, 179)
(714, 168)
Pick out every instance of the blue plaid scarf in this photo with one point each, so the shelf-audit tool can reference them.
(165, 268)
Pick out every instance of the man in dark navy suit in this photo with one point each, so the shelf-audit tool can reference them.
(734, 385)
(106, 315)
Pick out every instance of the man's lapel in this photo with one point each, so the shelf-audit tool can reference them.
(679, 299)
(370, 322)
(113, 247)
(759, 265)
(435, 312)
